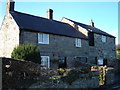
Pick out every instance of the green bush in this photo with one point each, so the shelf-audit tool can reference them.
(28, 52)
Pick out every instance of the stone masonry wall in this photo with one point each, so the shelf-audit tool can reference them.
(104, 49)
(9, 36)
(26, 74)
(59, 46)
(83, 83)
(100, 50)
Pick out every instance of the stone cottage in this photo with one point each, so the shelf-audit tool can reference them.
(101, 44)
(64, 41)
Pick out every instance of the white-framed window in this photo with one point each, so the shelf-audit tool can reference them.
(45, 62)
(100, 61)
(43, 38)
(78, 42)
(104, 38)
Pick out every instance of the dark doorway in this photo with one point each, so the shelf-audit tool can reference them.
(63, 63)
(96, 60)
(105, 61)
(91, 38)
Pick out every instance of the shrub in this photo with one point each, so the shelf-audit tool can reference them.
(28, 52)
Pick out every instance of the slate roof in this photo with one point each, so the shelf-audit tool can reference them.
(90, 28)
(40, 24)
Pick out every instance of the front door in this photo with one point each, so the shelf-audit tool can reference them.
(45, 62)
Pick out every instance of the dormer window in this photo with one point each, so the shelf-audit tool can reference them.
(104, 38)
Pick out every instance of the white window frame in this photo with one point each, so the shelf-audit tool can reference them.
(104, 38)
(78, 42)
(100, 61)
(44, 38)
(48, 64)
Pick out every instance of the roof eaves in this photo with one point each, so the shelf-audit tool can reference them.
(85, 38)
(91, 29)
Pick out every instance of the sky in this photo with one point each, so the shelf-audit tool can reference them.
(103, 14)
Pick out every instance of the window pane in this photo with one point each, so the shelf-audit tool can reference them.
(100, 61)
(103, 38)
(45, 60)
(43, 38)
(78, 42)
(46, 38)
(40, 37)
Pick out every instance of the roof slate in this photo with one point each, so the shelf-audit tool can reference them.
(40, 24)
(90, 28)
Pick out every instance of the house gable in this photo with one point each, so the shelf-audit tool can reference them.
(76, 26)
(9, 36)
(88, 28)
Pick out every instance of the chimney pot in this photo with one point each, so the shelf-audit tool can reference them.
(91, 23)
(50, 14)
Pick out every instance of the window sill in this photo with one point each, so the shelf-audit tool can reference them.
(78, 47)
(44, 43)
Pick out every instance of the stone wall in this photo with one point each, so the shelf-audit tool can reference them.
(104, 50)
(16, 73)
(9, 36)
(83, 83)
(26, 74)
(20, 73)
(19, 68)
(59, 46)
(117, 66)
(110, 76)
(101, 50)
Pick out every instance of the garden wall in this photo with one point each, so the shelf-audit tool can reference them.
(19, 73)
(16, 73)
(85, 81)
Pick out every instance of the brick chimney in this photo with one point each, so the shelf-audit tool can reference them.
(91, 23)
(50, 14)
